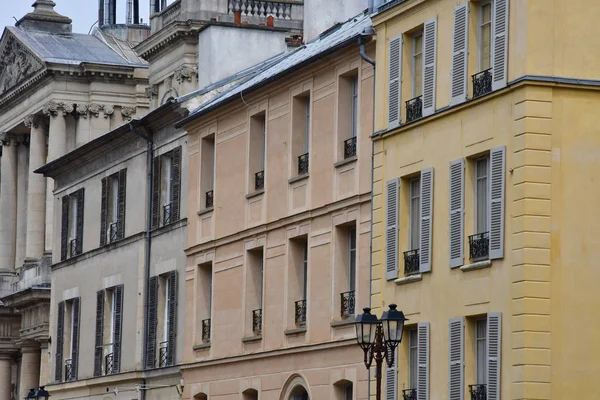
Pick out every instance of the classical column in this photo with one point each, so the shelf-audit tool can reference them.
(30, 369)
(36, 194)
(5, 374)
(8, 203)
(22, 208)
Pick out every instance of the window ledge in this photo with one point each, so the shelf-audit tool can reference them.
(409, 279)
(202, 346)
(254, 194)
(476, 265)
(205, 211)
(254, 338)
(345, 161)
(295, 331)
(343, 323)
(298, 178)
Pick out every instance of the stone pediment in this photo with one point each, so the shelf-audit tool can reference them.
(17, 63)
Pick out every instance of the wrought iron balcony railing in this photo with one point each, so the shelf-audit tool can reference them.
(411, 262)
(259, 180)
(478, 392)
(113, 232)
(409, 394)
(482, 83)
(303, 164)
(350, 147)
(73, 247)
(414, 108)
(163, 354)
(206, 330)
(347, 305)
(300, 312)
(69, 370)
(257, 322)
(109, 364)
(479, 246)
(167, 214)
(209, 199)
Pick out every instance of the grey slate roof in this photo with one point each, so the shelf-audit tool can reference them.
(284, 63)
(74, 49)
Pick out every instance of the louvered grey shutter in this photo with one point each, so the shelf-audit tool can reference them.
(103, 211)
(60, 335)
(118, 326)
(172, 326)
(75, 337)
(496, 210)
(460, 40)
(152, 322)
(155, 192)
(423, 361)
(429, 59)
(494, 350)
(394, 81)
(456, 358)
(499, 43)
(391, 379)
(64, 228)
(79, 221)
(391, 229)
(98, 350)
(457, 215)
(426, 219)
(121, 203)
(176, 182)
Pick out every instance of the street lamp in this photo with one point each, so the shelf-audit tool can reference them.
(40, 394)
(378, 338)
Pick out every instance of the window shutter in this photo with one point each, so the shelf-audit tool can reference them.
(75, 336)
(394, 81)
(496, 217)
(391, 230)
(155, 192)
(152, 322)
(429, 55)
(176, 182)
(494, 349)
(118, 328)
(457, 215)
(121, 203)
(80, 203)
(103, 211)
(499, 43)
(456, 358)
(391, 379)
(460, 46)
(99, 333)
(60, 333)
(426, 219)
(172, 328)
(423, 360)
(64, 228)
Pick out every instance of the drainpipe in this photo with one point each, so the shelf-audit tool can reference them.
(362, 40)
(149, 162)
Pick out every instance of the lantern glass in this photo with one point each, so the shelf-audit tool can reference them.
(30, 395)
(366, 324)
(393, 325)
(42, 394)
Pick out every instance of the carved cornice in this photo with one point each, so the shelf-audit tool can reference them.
(185, 74)
(58, 108)
(127, 112)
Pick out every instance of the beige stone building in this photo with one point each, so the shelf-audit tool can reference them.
(279, 227)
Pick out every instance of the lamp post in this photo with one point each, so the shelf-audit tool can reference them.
(378, 338)
(40, 394)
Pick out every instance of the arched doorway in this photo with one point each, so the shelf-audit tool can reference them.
(299, 393)
(295, 388)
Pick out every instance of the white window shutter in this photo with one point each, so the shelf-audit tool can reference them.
(394, 81)
(456, 357)
(460, 35)
(494, 350)
(391, 379)
(423, 361)
(426, 219)
(457, 215)
(391, 229)
(499, 43)
(496, 210)
(429, 56)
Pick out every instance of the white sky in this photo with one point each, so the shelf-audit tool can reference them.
(84, 13)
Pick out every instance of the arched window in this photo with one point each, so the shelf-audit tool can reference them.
(201, 396)
(343, 390)
(299, 393)
(250, 394)
(295, 388)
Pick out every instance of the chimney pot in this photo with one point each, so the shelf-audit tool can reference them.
(237, 17)
(270, 21)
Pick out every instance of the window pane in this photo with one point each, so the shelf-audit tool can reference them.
(415, 213)
(482, 195)
(480, 355)
(412, 359)
(352, 259)
(418, 65)
(485, 36)
(354, 107)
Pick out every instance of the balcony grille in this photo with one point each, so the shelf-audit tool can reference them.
(347, 304)
(479, 246)
(478, 392)
(163, 354)
(482, 83)
(300, 312)
(73, 247)
(411, 262)
(414, 108)
(167, 214)
(350, 147)
(108, 364)
(209, 199)
(409, 394)
(303, 164)
(69, 370)
(257, 322)
(206, 330)
(259, 180)
(113, 232)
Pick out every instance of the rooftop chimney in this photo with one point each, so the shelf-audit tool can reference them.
(44, 18)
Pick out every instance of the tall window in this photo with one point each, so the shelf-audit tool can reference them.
(112, 213)
(347, 123)
(258, 125)
(254, 290)
(413, 361)
(207, 171)
(109, 320)
(72, 224)
(67, 344)
(166, 188)
(485, 35)
(480, 351)
(352, 259)
(481, 194)
(354, 85)
(306, 123)
(415, 213)
(204, 292)
(417, 64)
(162, 320)
(301, 121)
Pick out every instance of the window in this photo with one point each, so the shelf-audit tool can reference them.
(415, 213)
(301, 133)
(162, 320)
(352, 259)
(205, 300)
(300, 305)
(254, 290)
(207, 171)
(72, 225)
(258, 126)
(67, 334)
(345, 260)
(417, 65)
(485, 35)
(348, 114)
(413, 361)
(112, 213)
(481, 195)
(166, 188)
(480, 351)
(250, 394)
(343, 390)
(299, 393)
(109, 320)
(298, 281)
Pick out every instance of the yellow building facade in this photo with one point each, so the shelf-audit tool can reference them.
(484, 216)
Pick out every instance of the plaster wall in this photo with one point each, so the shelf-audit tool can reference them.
(320, 15)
